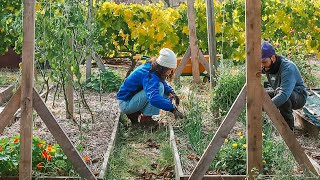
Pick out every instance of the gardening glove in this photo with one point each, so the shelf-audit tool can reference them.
(177, 114)
(174, 96)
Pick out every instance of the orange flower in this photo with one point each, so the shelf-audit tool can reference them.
(50, 148)
(16, 140)
(1, 148)
(49, 158)
(39, 166)
(44, 154)
(40, 144)
(86, 158)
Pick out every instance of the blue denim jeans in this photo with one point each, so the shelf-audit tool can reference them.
(139, 102)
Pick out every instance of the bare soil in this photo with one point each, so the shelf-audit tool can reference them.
(94, 136)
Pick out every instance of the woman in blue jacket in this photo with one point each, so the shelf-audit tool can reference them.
(145, 91)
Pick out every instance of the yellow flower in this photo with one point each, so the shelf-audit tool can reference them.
(226, 140)
(235, 145)
(244, 146)
(239, 133)
(38, 7)
(264, 162)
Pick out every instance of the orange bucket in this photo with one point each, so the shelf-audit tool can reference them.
(188, 68)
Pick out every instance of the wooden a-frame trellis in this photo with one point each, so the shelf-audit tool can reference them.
(255, 98)
(193, 51)
(27, 98)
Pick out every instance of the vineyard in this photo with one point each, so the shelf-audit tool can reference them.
(83, 52)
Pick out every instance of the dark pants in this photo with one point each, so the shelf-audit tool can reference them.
(295, 101)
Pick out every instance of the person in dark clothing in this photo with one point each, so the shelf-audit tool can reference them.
(145, 91)
(288, 91)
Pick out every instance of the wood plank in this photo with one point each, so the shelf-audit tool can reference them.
(220, 136)
(61, 137)
(218, 177)
(183, 63)
(286, 133)
(111, 145)
(306, 125)
(6, 94)
(254, 88)
(11, 108)
(315, 164)
(193, 41)
(176, 158)
(212, 47)
(204, 62)
(28, 48)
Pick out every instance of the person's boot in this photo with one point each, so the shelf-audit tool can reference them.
(134, 117)
(147, 121)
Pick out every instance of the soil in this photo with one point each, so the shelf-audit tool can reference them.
(94, 137)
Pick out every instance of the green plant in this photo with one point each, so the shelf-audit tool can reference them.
(229, 84)
(46, 158)
(105, 81)
(232, 158)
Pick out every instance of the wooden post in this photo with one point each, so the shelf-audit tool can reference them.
(211, 42)
(25, 165)
(193, 41)
(254, 88)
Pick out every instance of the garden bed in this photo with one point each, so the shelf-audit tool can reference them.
(96, 137)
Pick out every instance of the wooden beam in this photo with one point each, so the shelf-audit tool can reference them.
(61, 137)
(25, 165)
(254, 88)
(176, 157)
(286, 133)
(211, 41)
(306, 125)
(11, 108)
(183, 63)
(111, 145)
(204, 62)
(220, 136)
(193, 41)
(6, 94)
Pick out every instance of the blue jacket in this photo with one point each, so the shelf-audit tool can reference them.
(287, 80)
(140, 79)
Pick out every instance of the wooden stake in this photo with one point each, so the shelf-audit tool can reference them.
(254, 88)
(211, 41)
(183, 63)
(220, 136)
(61, 137)
(25, 165)
(11, 108)
(193, 41)
(69, 89)
(286, 133)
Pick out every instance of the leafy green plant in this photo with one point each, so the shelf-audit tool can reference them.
(232, 158)
(229, 84)
(46, 158)
(105, 81)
